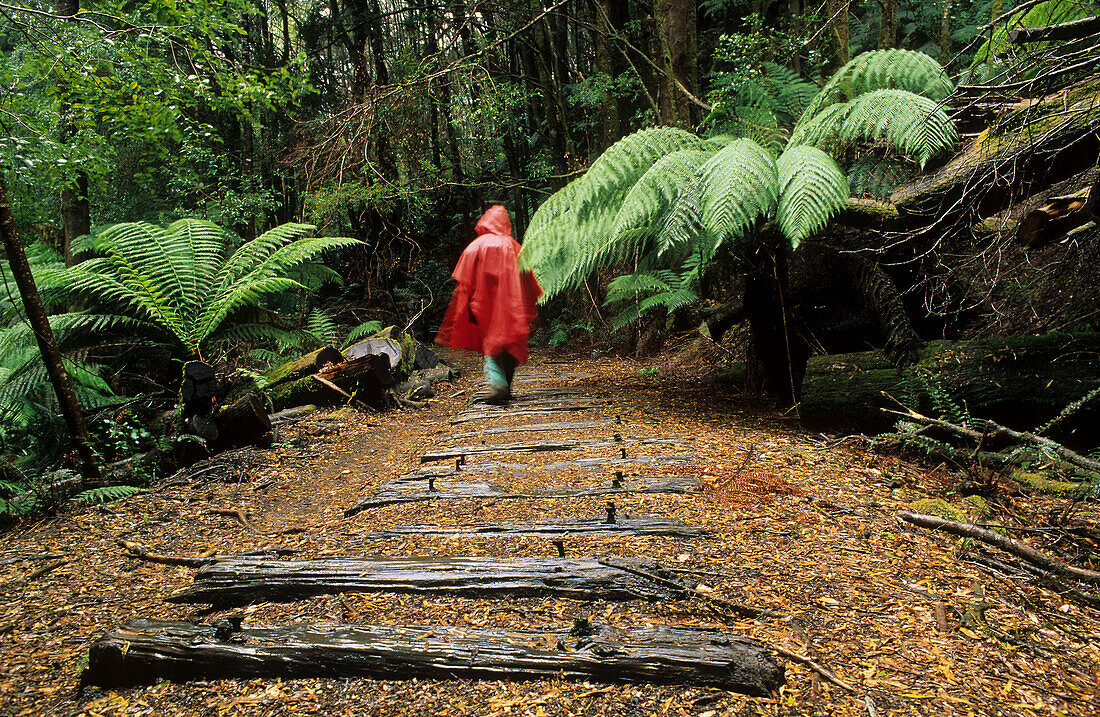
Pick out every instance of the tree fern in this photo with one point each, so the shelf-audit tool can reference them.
(740, 185)
(914, 126)
(812, 189)
(878, 177)
(906, 70)
(364, 329)
(182, 278)
(653, 196)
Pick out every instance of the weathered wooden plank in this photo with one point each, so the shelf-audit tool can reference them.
(243, 580)
(145, 651)
(541, 447)
(629, 525)
(531, 427)
(430, 487)
(513, 411)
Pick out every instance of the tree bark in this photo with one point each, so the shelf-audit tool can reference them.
(945, 34)
(888, 25)
(676, 43)
(835, 41)
(782, 353)
(40, 324)
(146, 651)
(240, 581)
(76, 220)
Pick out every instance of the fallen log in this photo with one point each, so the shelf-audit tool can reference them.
(145, 651)
(999, 379)
(302, 367)
(240, 581)
(428, 487)
(1009, 545)
(243, 423)
(1073, 30)
(631, 525)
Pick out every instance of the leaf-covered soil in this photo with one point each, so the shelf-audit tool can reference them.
(804, 526)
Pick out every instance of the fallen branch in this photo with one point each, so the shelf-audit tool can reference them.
(993, 431)
(239, 515)
(133, 550)
(813, 666)
(1009, 545)
(48, 568)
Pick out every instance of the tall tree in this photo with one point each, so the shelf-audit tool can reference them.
(76, 216)
(40, 324)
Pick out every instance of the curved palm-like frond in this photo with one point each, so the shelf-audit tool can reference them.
(654, 195)
(915, 72)
(740, 185)
(182, 278)
(913, 125)
(812, 189)
(616, 170)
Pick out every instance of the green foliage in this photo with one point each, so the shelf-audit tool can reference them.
(913, 125)
(997, 60)
(878, 177)
(812, 188)
(363, 330)
(913, 72)
(649, 291)
(182, 281)
(106, 494)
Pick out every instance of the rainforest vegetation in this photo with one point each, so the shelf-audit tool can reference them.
(232, 185)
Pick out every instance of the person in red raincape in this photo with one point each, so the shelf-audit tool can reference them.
(494, 303)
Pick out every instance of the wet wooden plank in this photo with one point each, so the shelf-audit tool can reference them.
(144, 651)
(444, 487)
(623, 525)
(244, 580)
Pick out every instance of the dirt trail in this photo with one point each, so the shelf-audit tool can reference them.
(802, 526)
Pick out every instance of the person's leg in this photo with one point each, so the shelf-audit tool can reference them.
(497, 379)
(508, 365)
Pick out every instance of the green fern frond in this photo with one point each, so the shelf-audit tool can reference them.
(667, 301)
(914, 126)
(364, 329)
(740, 185)
(812, 190)
(322, 326)
(628, 286)
(263, 333)
(878, 177)
(616, 170)
(106, 494)
(654, 195)
(915, 72)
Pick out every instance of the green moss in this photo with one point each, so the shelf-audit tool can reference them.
(979, 506)
(940, 508)
(1043, 484)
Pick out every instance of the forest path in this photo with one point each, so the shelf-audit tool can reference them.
(800, 525)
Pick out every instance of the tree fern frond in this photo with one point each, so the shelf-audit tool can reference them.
(654, 195)
(878, 177)
(915, 126)
(616, 170)
(739, 186)
(627, 286)
(812, 190)
(247, 291)
(915, 72)
(364, 329)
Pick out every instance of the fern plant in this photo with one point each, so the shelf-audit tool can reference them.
(180, 283)
(662, 196)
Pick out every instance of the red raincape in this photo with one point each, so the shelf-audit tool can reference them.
(492, 291)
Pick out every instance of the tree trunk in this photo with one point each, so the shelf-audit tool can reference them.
(835, 40)
(888, 25)
(609, 131)
(76, 218)
(676, 44)
(782, 353)
(945, 34)
(40, 323)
